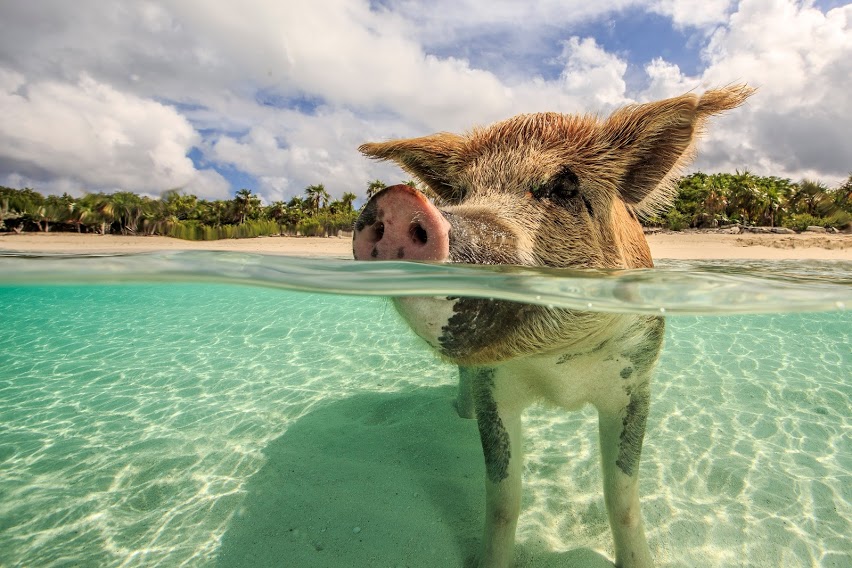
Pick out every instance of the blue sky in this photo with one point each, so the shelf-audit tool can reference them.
(635, 34)
(272, 96)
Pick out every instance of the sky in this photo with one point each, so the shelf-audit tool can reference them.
(210, 96)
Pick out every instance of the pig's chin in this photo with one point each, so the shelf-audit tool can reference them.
(467, 330)
(428, 317)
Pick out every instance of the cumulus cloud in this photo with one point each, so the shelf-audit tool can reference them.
(285, 92)
(694, 13)
(801, 61)
(90, 134)
(589, 70)
(293, 150)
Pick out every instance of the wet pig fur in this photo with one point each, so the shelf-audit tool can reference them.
(544, 190)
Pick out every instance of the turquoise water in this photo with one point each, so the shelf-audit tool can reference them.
(157, 411)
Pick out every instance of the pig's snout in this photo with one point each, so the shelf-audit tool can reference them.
(399, 223)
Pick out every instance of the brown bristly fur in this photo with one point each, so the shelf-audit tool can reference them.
(637, 151)
(501, 178)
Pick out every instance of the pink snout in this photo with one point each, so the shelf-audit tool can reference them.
(399, 223)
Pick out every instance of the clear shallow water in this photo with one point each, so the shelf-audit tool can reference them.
(196, 423)
(675, 287)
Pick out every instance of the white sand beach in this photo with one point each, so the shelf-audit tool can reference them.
(665, 245)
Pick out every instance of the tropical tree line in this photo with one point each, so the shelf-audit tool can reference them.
(703, 200)
(715, 200)
(177, 214)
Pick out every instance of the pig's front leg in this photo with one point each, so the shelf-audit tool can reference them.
(621, 432)
(464, 401)
(499, 422)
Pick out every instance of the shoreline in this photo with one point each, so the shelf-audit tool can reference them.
(687, 245)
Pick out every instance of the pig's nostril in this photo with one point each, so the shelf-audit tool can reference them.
(418, 234)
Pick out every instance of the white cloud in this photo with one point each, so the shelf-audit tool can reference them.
(288, 150)
(665, 80)
(696, 13)
(800, 59)
(441, 21)
(208, 184)
(139, 84)
(94, 135)
(591, 71)
(292, 150)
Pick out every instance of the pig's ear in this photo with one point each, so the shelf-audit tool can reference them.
(650, 143)
(430, 158)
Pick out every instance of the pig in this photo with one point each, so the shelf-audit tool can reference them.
(544, 190)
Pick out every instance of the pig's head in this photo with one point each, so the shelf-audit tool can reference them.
(538, 190)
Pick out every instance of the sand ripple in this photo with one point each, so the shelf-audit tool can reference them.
(156, 425)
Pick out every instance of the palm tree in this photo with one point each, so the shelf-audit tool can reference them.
(78, 214)
(277, 211)
(810, 197)
(748, 198)
(715, 204)
(21, 199)
(219, 210)
(374, 187)
(179, 205)
(842, 196)
(102, 207)
(246, 204)
(128, 209)
(47, 214)
(155, 217)
(317, 196)
(347, 200)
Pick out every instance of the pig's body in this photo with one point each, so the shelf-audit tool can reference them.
(541, 190)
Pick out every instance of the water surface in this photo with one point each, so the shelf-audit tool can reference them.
(157, 410)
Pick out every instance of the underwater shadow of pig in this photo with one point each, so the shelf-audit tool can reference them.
(391, 479)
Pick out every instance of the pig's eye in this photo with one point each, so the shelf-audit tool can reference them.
(564, 185)
(540, 190)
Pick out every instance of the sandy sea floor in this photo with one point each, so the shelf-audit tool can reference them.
(686, 245)
(141, 427)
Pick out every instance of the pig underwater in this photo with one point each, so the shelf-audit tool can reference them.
(542, 190)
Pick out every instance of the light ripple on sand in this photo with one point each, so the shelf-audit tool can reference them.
(155, 425)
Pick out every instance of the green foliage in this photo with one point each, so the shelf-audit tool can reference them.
(374, 187)
(310, 227)
(841, 220)
(654, 221)
(176, 214)
(703, 200)
(317, 197)
(675, 220)
(20, 199)
(801, 221)
(196, 231)
(246, 205)
(713, 200)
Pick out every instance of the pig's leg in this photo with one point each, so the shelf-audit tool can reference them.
(621, 432)
(499, 418)
(464, 400)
